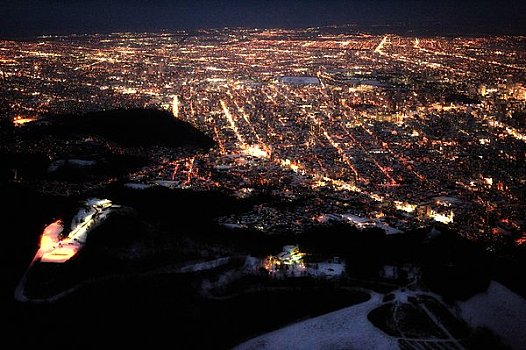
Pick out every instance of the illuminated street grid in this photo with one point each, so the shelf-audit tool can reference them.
(400, 130)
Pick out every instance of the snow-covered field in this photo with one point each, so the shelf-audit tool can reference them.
(300, 80)
(343, 329)
(500, 310)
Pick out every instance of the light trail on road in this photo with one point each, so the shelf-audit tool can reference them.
(233, 126)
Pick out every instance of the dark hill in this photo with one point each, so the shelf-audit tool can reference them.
(134, 127)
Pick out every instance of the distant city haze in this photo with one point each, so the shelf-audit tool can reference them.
(25, 18)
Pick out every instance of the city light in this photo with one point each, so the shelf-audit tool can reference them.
(366, 123)
(55, 247)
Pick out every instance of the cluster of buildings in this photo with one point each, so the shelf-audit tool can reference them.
(399, 131)
(292, 262)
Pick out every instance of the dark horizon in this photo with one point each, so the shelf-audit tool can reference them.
(27, 18)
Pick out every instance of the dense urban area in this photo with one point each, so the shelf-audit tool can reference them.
(387, 131)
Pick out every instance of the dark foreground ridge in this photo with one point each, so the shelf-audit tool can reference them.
(134, 127)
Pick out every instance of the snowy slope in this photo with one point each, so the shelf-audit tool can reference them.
(500, 310)
(343, 329)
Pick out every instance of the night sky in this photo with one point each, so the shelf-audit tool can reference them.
(21, 18)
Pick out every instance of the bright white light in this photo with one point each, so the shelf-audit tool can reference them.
(256, 151)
